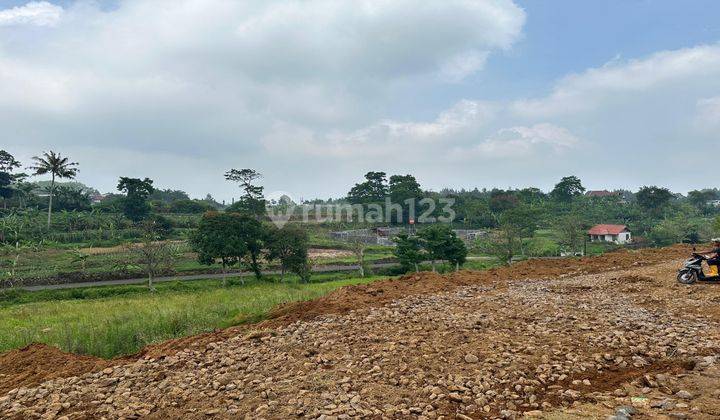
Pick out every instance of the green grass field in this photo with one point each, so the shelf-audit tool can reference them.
(116, 320)
(117, 262)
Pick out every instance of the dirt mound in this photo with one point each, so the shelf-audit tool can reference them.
(372, 295)
(37, 363)
(381, 292)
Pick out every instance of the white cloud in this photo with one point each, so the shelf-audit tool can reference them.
(520, 142)
(388, 137)
(356, 82)
(39, 13)
(235, 81)
(708, 114)
(686, 69)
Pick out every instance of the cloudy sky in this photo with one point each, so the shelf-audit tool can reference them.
(314, 93)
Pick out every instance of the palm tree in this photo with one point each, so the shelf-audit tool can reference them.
(56, 165)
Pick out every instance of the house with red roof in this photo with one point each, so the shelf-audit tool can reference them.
(619, 234)
(602, 194)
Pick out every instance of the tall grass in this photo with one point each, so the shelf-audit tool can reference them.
(124, 323)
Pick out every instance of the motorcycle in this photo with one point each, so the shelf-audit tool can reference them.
(692, 270)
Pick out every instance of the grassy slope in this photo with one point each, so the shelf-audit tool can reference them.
(130, 317)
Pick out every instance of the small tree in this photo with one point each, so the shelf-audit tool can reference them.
(232, 238)
(570, 229)
(58, 167)
(254, 235)
(135, 205)
(441, 243)
(408, 251)
(252, 201)
(507, 240)
(154, 256)
(217, 238)
(456, 252)
(80, 257)
(289, 245)
(358, 246)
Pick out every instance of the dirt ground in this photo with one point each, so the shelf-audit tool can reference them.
(315, 253)
(567, 338)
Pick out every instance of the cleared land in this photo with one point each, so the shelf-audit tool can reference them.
(556, 339)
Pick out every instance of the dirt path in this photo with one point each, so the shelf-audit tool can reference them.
(554, 339)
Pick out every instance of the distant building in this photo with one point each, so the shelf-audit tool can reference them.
(601, 193)
(619, 234)
(97, 198)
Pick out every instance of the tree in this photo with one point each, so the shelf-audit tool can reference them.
(153, 255)
(232, 238)
(217, 238)
(571, 232)
(700, 198)
(654, 199)
(7, 165)
(168, 195)
(507, 241)
(71, 199)
(252, 201)
(456, 252)
(80, 257)
(405, 191)
(254, 235)
(441, 243)
(373, 190)
(358, 246)
(190, 206)
(669, 231)
(531, 195)
(289, 245)
(24, 192)
(501, 201)
(6, 191)
(408, 250)
(135, 205)
(525, 218)
(568, 188)
(58, 167)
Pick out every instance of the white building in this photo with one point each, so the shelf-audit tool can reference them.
(619, 234)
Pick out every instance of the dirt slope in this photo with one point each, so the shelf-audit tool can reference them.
(477, 344)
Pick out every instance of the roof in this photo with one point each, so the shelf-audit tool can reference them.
(601, 193)
(608, 229)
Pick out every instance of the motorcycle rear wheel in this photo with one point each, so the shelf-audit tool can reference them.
(687, 277)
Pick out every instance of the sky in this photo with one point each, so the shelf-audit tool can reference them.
(314, 93)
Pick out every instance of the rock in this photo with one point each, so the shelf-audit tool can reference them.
(454, 396)
(626, 411)
(685, 395)
(620, 392)
(471, 358)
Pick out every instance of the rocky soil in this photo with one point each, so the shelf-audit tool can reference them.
(624, 342)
